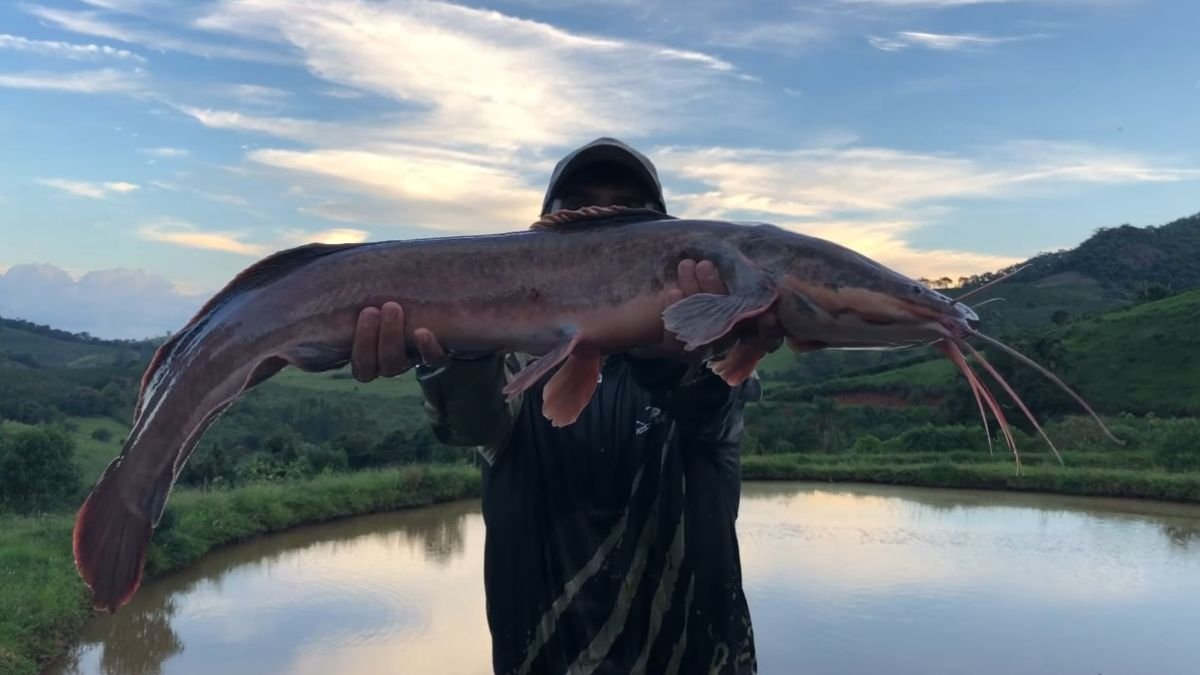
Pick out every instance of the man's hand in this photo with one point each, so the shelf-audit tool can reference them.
(379, 347)
(703, 277)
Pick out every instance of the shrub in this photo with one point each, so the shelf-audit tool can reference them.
(102, 434)
(868, 444)
(37, 470)
(1177, 445)
(930, 438)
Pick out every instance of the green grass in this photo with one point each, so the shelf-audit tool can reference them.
(51, 352)
(93, 455)
(1041, 477)
(45, 603)
(341, 382)
(1140, 359)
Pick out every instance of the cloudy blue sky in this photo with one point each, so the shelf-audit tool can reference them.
(151, 149)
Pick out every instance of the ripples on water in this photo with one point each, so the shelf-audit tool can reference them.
(840, 579)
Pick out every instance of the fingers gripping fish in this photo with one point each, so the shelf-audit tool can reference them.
(577, 286)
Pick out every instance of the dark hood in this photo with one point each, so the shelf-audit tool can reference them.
(605, 150)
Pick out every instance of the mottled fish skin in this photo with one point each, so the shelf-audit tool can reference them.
(605, 286)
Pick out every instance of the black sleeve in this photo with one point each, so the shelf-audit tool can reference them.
(464, 404)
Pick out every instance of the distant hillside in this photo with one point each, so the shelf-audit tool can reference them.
(1110, 270)
(1138, 359)
(35, 345)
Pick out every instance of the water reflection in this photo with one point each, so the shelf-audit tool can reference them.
(320, 566)
(840, 579)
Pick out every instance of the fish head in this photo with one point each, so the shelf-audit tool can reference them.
(831, 297)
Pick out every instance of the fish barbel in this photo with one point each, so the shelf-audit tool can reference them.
(585, 284)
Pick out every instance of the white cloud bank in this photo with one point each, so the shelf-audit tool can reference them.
(114, 304)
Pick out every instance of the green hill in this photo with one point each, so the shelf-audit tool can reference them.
(1139, 359)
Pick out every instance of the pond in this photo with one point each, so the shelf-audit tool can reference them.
(842, 579)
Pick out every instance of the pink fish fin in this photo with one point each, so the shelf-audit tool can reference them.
(531, 374)
(702, 318)
(739, 363)
(569, 391)
(109, 542)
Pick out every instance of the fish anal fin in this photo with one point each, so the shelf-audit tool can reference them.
(534, 372)
(569, 391)
(739, 363)
(705, 317)
(265, 370)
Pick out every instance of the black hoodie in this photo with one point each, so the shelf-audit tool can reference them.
(611, 544)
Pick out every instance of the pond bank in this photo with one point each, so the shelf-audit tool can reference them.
(46, 603)
(1091, 482)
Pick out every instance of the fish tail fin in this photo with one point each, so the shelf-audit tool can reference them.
(110, 542)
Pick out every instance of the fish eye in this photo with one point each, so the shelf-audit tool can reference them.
(916, 289)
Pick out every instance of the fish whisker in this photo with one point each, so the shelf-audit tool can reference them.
(1017, 399)
(1049, 375)
(993, 282)
(952, 352)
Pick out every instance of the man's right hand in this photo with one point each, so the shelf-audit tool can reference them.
(379, 347)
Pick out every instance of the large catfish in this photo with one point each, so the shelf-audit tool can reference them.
(582, 285)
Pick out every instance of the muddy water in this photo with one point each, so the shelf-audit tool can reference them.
(840, 579)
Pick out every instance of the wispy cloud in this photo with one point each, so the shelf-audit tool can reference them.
(872, 199)
(91, 190)
(188, 235)
(102, 81)
(253, 94)
(944, 42)
(98, 25)
(67, 50)
(925, 3)
(185, 234)
(165, 152)
(471, 76)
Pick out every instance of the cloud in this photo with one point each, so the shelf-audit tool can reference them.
(91, 190)
(105, 80)
(439, 190)
(783, 36)
(873, 199)
(94, 24)
(253, 94)
(467, 76)
(184, 234)
(65, 49)
(116, 303)
(340, 235)
(165, 152)
(942, 41)
(181, 233)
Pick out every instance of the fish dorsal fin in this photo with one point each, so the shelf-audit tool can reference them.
(273, 267)
(588, 216)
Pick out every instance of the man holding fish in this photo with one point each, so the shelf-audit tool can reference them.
(611, 543)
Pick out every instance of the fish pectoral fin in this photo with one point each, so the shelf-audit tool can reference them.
(705, 317)
(531, 374)
(265, 370)
(569, 391)
(738, 364)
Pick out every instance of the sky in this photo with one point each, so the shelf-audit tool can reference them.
(151, 150)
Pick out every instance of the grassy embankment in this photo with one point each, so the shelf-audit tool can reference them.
(45, 603)
(965, 469)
